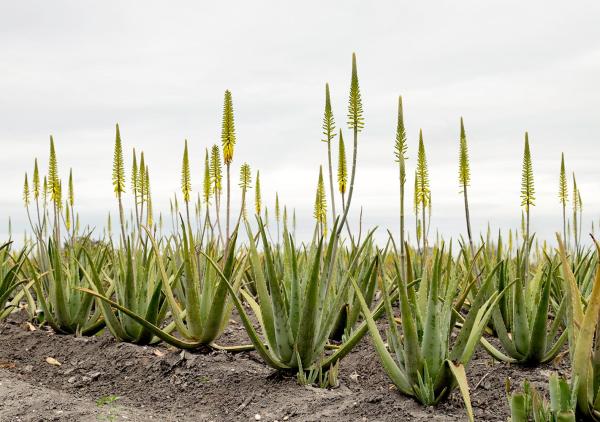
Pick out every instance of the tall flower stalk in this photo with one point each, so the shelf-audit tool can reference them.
(356, 122)
(277, 216)
(186, 183)
(54, 189)
(575, 211)
(563, 193)
(134, 191)
(257, 195)
(320, 212)
(119, 179)
(206, 193)
(71, 203)
(36, 194)
(245, 185)
(329, 133)
(422, 190)
(148, 195)
(139, 196)
(228, 143)
(464, 178)
(216, 178)
(400, 149)
(527, 197)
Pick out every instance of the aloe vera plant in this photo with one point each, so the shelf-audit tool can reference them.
(296, 305)
(10, 280)
(422, 361)
(358, 262)
(584, 345)
(192, 280)
(57, 280)
(134, 279)
(530, 405)
(529, 318)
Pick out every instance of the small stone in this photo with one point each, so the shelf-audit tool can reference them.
(257, 417)
(94, 375)
(72, 380)
(285, 418)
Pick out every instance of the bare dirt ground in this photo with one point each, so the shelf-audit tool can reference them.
(101, 380)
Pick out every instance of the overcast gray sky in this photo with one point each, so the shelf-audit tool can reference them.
(75, 68)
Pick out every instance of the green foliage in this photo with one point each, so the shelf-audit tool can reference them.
(421, 360)
(583, 341)
(530, 405)
(296, 303)
(528, 321)
(11, 277)
(57, 280)
(134, 279)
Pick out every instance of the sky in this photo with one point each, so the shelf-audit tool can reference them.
(75, 68)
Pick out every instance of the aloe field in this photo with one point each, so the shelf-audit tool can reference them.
(226, 300)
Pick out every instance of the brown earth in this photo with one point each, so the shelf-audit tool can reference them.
(102, 380)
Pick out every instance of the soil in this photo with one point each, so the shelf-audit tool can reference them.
(100, 379)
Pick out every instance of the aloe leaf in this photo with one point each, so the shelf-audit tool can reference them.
(112, 322)
(412, 351)
(262, 291)
(431, 343)
(478, 302)
(538, 337)
(396, 374)
(261, 349)
(518, 410)
(497, 354)
(458, 370)
(356, 335)
(167, 338)
(175, 309)
(280, 312)
(581, 362)
(307, 329)
(7, 293)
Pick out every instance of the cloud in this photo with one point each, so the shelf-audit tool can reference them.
(74, 70)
